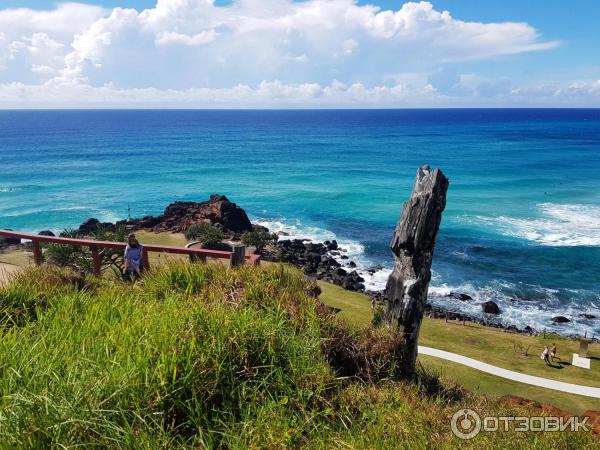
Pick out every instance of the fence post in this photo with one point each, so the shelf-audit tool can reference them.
(95, 259)
(238, 256)
(37, 252)
(145, 260)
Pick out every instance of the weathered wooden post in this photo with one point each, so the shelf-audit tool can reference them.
(238, 256)
(412, 245)
(37, 252)
(145, 260)
(96, 260)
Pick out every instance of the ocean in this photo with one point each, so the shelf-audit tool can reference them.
(521, 226)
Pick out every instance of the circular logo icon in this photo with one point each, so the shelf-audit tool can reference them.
(465, 424)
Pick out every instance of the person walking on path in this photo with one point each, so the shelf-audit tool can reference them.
(134, 257)
(553, 352)
(544, 356)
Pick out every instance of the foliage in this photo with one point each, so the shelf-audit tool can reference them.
(378, 317)
(204, 356)
(259, 239)
(80, 258)
(208, 235)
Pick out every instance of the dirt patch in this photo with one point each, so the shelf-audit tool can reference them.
(7, 271)
(472, 341)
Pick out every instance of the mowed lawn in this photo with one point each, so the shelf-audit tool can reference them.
(490, 345)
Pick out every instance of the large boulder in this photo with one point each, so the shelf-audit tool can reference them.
(560, 319)
(460, 296)
(490, 307)
(46, 233)
(218, 211)
(92, 225)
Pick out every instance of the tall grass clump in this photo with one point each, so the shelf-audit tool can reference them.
(203, 356)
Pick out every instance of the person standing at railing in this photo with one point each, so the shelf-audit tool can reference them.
(134, 257)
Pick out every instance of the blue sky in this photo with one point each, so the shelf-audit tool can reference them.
(316, 53)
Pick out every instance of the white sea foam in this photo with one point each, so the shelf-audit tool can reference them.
(558, 225)
(375, 280)
(536, 313)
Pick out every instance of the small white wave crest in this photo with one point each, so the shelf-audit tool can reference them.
(565, 225)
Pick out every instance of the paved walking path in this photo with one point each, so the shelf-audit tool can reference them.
(588, 391)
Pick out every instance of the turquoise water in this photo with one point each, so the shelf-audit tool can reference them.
(523, 213)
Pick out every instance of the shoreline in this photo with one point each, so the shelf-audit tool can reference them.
(341, 264)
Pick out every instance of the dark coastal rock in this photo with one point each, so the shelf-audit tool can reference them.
(146, 222)
(46, 233)
(9, 241)
(490, 307)
(316, 258)
(588, 316)
(460, 296)
(560, 319)
(92, 225)
(522, 298)
(259, 228)
(218, 210)
(179, 216)
(89, 226)
(352, 264)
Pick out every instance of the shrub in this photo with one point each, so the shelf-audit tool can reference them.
(378, 317)
(205, 233)
(80, 258)
(259, 239)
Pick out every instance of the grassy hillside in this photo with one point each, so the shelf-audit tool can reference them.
(490, 345)
(202, 357)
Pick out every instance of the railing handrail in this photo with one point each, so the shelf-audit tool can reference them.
(94, 245)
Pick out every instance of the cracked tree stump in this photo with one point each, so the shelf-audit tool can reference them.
(412, 244)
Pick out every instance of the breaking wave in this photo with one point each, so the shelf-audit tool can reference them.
(520, 305)
(558, 225)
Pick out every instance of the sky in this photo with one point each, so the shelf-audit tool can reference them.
(299, 54)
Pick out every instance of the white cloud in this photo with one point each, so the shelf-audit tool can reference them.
(58, 93)
(196, 53)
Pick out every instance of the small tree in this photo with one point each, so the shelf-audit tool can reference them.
(80, 258)
(259, 239)
(208, 235)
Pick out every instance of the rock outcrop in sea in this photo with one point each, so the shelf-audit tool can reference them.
(218, 210)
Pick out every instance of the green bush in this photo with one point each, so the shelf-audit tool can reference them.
(80, 258)
(259, 239)
(206, 234)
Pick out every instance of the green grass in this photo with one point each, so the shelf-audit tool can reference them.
(486, 344)
(203, 356)
(489, 345)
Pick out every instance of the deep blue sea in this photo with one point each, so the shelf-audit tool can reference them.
(521, 227)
